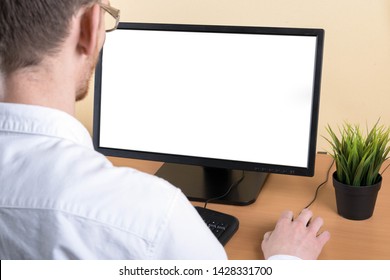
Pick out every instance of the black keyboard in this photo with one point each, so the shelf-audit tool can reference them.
(223, 226)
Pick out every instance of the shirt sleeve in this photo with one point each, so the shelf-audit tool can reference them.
(186, 236)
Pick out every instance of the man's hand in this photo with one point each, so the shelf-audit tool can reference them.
(296, 237)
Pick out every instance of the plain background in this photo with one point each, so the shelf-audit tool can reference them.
(356, 68)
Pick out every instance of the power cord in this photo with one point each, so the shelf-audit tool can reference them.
(320, 185)
(235, 184)
(385, 169)
(327, 178)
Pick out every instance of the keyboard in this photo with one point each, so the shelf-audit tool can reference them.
(223, 226)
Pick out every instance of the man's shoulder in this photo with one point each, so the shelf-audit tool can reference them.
(120, 196)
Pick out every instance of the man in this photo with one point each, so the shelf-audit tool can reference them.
(59, 199)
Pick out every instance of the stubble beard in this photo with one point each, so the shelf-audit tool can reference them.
(83, 88)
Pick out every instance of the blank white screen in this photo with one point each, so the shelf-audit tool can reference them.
(239, 97)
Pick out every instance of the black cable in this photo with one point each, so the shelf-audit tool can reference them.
(327, 178)
(235, 184)
(320, 185)
(385, 169)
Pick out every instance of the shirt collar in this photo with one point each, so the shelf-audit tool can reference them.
(38, 120)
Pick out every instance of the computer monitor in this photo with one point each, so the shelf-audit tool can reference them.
(222, 106)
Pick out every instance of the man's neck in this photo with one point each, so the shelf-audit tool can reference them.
(39, 86)
(2, 86)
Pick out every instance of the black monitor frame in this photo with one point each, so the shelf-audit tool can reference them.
(191, 164)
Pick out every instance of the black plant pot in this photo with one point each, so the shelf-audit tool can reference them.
(355, 203)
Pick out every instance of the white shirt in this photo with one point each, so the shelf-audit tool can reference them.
(60, 199)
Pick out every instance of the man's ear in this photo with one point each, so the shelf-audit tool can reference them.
(89, 30)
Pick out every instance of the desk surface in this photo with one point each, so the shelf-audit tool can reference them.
(369, 239)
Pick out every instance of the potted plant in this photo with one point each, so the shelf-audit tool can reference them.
(358, 161)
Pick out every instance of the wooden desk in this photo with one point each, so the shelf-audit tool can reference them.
(369, 239)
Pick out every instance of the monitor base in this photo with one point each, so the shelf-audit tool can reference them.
(208, 184)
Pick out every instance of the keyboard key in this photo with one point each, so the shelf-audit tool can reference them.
(223, 226)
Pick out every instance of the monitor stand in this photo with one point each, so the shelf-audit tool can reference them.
(202, 184)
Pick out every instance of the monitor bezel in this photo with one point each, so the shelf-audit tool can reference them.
(210, 162)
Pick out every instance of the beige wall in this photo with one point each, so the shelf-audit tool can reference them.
(356, 73)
